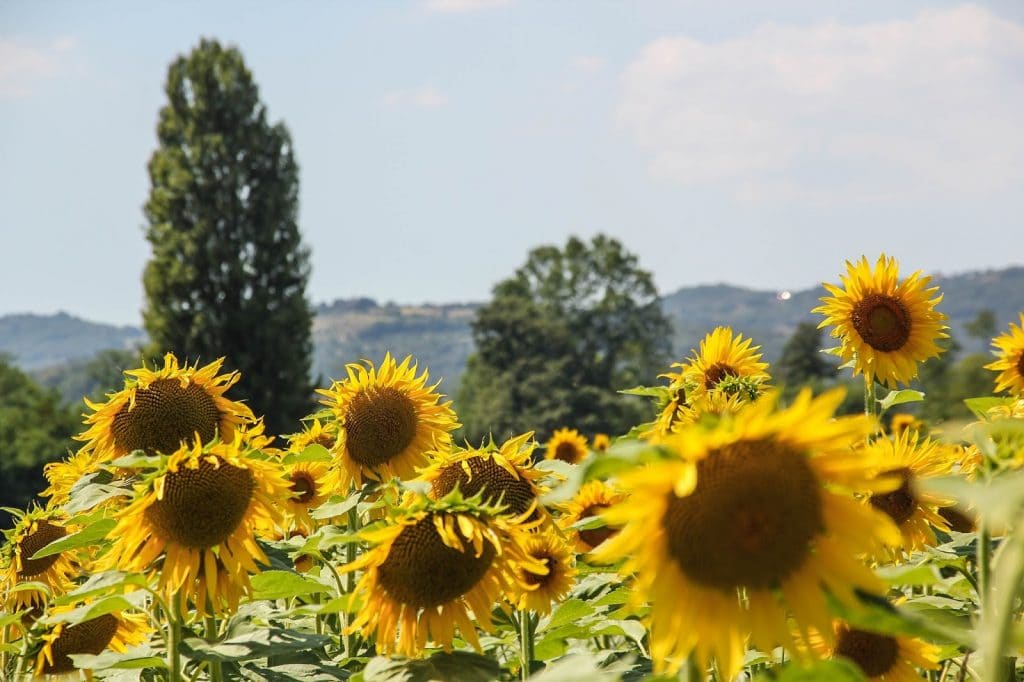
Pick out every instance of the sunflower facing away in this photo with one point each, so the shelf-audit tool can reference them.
(568, 445)
(590, 500)
(505, 476)
(879, 657)
(722, 355)
(432, 566)
(193, 519)
(754, 519)
(388, 419)
(1009, 351)
(886, 326)
(33, 531)
(910, 459)
(117, 630)
(158, 410)
(545, 589)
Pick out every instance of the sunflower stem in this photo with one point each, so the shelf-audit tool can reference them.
(174, 641)
(1001, 579)
(526, 633)
(692, 671)
(869, 395)
(216, 667)
(350, 580)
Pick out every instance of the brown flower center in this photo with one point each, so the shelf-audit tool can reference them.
(422, 571)
(532, 578)
(874, 654)
(882, 321)
(592, 537)
(165, 414)
(900, 503)
(201, 507)
(716, 372)
(1020, 365)
(750, 520)
(325, 439)
(957, 520)
(380, 424)
(303, 487)
(44, 534)
(488, 476)
(568, 451)
(90, 637)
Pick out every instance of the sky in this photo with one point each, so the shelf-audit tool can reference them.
(751, 143)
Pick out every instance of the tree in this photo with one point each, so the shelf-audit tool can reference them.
(802, 361)
(228, 273)
(983, 326)
(560, 338)
(34, 429)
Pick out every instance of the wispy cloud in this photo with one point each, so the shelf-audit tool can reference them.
(424, 97)
(833, 112)
(460, 6)
(22, 66)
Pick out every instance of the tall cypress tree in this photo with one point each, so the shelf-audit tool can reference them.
(228, 273)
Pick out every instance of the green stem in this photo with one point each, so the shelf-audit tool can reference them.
(525, 645)
(692, 672)
(984, 559)
(216, 667)
(350, 580)
(174, 642)
(870, 402)
(1001, 585)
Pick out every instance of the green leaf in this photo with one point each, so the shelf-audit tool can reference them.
(998, 500)
(101, 583)
(981, 406)
(90, 535)
(138, 460)
(133, 659)
(314, 452)
(251, 644)
(295, 672)
(581, 668)
(906, 395)
(648, 391)
(907, 575)
(569, 611)
(835, 670)
(331, 509)
(87, 612)
(458, 666)
(284, 584)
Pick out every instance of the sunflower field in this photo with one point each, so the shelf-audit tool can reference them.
(733, 536)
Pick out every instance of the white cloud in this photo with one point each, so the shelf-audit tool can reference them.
(22, 66)
(424, 97)
(460, 6)
(831, 112)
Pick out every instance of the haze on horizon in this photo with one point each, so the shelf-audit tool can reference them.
(440, 140)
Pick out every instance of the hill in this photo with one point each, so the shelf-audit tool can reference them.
(347, 330)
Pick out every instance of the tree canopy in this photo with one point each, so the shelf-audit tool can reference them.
(573, 326)
(229, 270)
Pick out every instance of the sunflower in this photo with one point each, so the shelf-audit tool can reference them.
(318, 433)
(886, 325)
(753, 519)
(903, 422)
(388, 419)
(544, 589)
(62, 476)
(311, 485)
(158, 410)
(879, 657)
(117, 630)
(429, 568)
(601, 442)
(196, 516)
(590, 500)
(567, 445)
(720, 356)
(1009, 349)
(505, 476)
(33, 531)
(910, 459)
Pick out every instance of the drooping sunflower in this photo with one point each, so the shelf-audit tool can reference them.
(429, 568)
(886, 326)
(544, 589)
(503, 476)
(722, 355)
(590, 500)
(194, 519)
(33, 531)
(158, 410)
(388, 420)
(601, 442)
(568, 445)
(879, 657)
(754, 519)
(117, 630)
(1009, 351)
(911, 459)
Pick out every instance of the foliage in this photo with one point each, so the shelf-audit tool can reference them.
(802, 360)
(559, 338)
(229, 271)
(92, 378)
(34, 429)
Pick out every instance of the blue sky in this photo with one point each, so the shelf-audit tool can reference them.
(753, 143)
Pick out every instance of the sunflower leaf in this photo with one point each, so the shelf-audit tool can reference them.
(314, 452)
(569, 611)
(981, 406)
(284, 584)
(458, 666)
(332, 509)
(907, 395)
(835, 670)
(90, 535)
